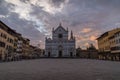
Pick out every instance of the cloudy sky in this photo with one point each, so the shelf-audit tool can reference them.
(34, 19)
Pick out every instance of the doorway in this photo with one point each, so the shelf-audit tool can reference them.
(48, 54)
(71, 54)
(60, 53)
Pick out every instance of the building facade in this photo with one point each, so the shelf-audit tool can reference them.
(106, 44)
(12, 44)
(60, 45)
(115, 46)
(8, 41)
(25, 47)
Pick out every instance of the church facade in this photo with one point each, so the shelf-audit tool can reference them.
(60, 45)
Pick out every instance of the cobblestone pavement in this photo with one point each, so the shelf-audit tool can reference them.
(60, 69)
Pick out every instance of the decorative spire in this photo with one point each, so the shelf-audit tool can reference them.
(71, 34)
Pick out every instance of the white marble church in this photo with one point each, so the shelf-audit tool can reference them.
(60, 45)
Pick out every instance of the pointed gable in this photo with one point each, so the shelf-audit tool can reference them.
(60, 29)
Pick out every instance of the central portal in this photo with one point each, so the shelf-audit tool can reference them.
(60, 53)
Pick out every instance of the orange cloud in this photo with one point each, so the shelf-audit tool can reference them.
(93, 38)
(86, 30)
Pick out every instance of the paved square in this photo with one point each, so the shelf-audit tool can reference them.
(60, 69)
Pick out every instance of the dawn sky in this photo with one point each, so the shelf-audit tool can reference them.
(35, 19)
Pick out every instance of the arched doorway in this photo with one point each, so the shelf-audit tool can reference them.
(71, 54)
(60, 53)
(48, 54)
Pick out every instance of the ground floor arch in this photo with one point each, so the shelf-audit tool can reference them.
(49, 54)
(60, 53)
(71, 54)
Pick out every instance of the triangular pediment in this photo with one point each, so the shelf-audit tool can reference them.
(60, 29)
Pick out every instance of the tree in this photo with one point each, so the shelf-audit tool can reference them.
(91, 47)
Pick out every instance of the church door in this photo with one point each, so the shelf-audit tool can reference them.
(48, 54)
(71, 54)
(60, 53)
